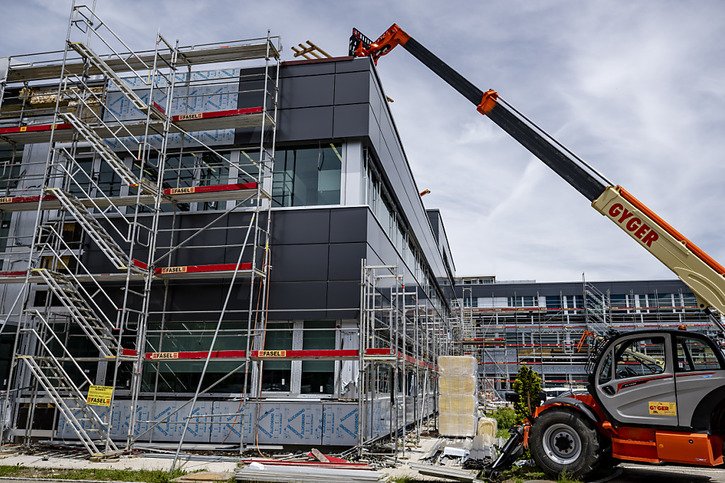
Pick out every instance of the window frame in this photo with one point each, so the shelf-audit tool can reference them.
(705, 342)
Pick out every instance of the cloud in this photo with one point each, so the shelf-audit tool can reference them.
(636, 88)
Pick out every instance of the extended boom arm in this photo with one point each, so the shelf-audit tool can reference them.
(704, 275)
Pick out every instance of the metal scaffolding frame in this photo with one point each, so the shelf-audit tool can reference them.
(400, 336)
(64, 298)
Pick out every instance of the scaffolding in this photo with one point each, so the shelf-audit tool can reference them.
(130, 149)
(401, 335)
(556, 339)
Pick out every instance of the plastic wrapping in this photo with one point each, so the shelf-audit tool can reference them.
(458, 396)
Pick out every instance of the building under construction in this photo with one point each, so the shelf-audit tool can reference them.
(550, 326)
(204, 244)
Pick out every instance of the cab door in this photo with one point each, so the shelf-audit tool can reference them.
(635, 380)
(699, 377)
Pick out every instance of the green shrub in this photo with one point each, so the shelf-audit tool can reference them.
(505, 417)
(528, 387)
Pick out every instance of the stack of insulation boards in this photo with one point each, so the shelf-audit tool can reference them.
(457, 396)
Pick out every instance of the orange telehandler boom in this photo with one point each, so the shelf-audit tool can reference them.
(704, 275)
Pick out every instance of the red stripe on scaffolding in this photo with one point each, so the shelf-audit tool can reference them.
(21, 273)
(194, 355)
(26, 199)
(34, 128)
(304, 354)
(31, 128)
(216, 114)
(210, 189)
(216, 267)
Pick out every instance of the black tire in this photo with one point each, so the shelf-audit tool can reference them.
(564, 441)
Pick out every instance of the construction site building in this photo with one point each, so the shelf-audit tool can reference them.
(549, 326)
(205, 244)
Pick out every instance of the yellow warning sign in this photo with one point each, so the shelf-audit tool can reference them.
(99, 395)
(659, 408)
(271, 354)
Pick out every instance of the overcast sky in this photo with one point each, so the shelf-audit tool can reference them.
(635, 88)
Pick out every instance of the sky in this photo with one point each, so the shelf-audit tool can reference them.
(636, 88)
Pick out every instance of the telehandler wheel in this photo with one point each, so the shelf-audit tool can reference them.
(564, 441)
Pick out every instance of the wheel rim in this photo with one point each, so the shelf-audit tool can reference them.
(562, 444)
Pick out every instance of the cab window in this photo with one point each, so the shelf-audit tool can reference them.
(695, 355)
(639, 357)
(605, 375)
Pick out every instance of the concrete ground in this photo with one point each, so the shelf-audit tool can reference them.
(64, 461)
(630, 473)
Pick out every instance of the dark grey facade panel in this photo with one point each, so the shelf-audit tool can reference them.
(295, 69)
(344, 261)
(297, 300)
(351, 64)
(307, 91)
(343, 295)
(305, 124)
(295, 263)
(348, 225)
(352, 88)
(301, 226)
(350, 120)
(434, 218)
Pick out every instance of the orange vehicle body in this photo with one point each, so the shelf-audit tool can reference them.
(648, 445)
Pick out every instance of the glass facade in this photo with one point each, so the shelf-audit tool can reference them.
(307, 176)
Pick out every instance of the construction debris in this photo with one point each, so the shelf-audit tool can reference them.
(313, 466)
(299, 473)
(448, 472)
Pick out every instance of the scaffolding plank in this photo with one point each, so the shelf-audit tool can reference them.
(187, 56)
(224, 192)
(247, 117)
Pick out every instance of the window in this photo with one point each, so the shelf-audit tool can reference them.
(213, 171)
(183, 375)
(605, 375)
(276, 374)
(640, 357)
(553, 301)
(523, 301)
(688, 300)
(5, 220)
(10, 160)
(618, 300)
(108, 181)
(83, 176)
(318, 376)
(307, 176)
(695, 355)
